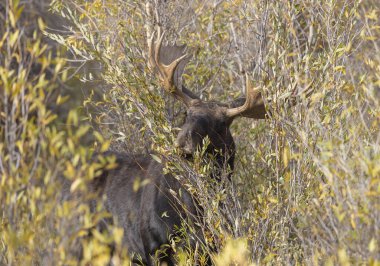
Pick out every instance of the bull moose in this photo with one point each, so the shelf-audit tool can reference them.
(140, 212)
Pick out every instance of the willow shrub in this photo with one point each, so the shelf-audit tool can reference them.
(42, 157)
(306, 185)
(306, 188)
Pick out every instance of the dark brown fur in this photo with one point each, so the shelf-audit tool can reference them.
(150, 214)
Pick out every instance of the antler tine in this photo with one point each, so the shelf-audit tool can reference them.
(158, 49)
(151, 61)
(167, 70)
(253, 106)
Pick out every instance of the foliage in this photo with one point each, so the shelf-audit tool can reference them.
(306, 188)
(38, 153)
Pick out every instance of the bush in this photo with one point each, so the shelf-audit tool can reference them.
(306, 188)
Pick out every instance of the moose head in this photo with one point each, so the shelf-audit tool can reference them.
(204, 118)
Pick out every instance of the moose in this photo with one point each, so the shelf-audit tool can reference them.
(150, 214)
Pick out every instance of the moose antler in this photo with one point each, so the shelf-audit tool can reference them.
(254, 106)
(166, 72)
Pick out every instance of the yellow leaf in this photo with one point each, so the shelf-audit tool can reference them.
(136, 184)
(12, 19)
(3, 39)
(156, 158)
(286, 156)
(372, 245)
(75, 184)
(341, 69)
(118, 234)
(13, 37)
(343, 258)
(372, 15)
(352, 220)
(41, 24)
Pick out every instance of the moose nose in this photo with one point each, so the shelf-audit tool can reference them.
(183, 146)
(179, 144)
(176, 144)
